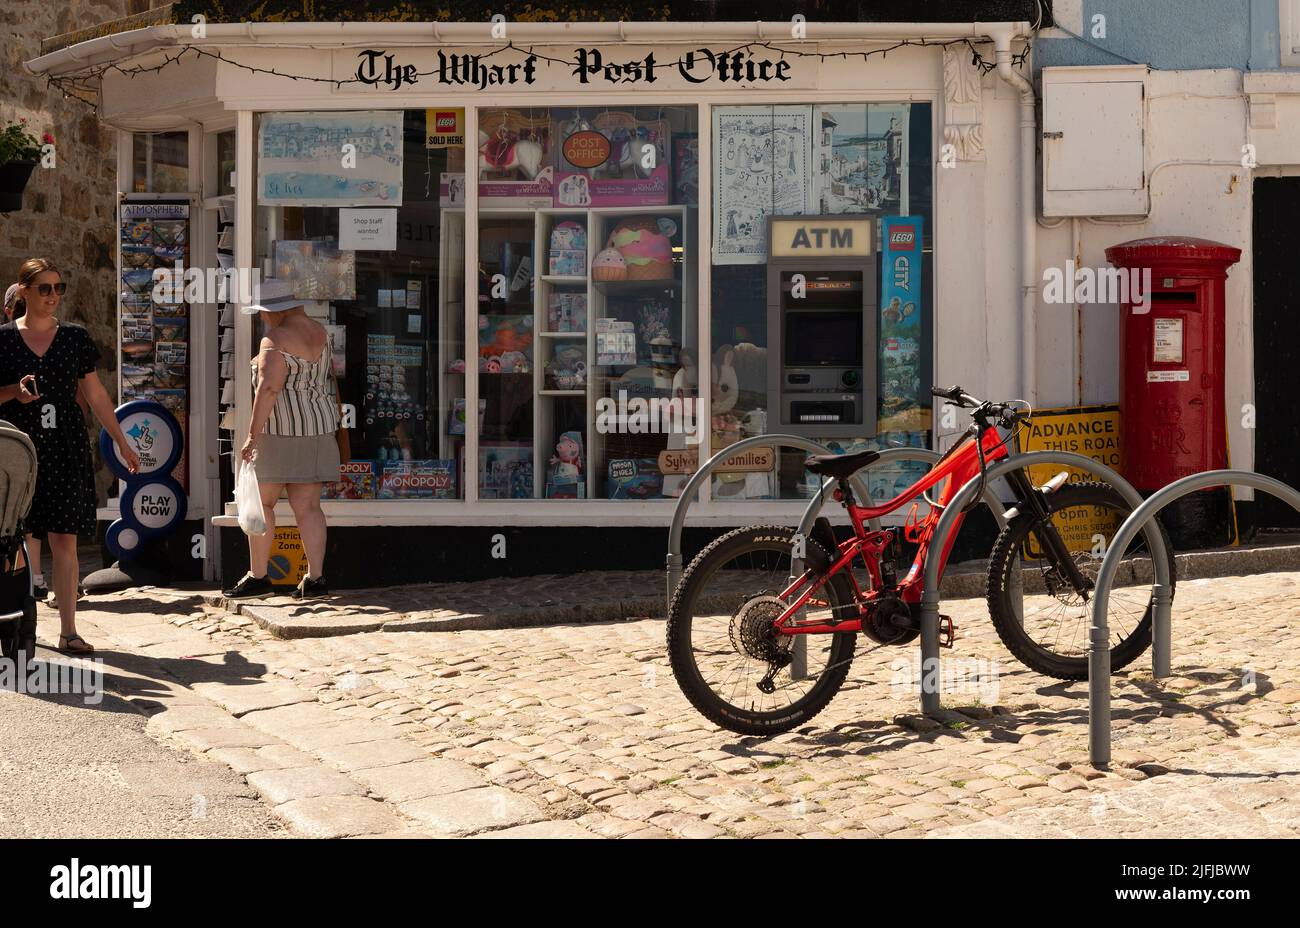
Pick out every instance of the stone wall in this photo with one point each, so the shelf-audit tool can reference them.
(69, 211)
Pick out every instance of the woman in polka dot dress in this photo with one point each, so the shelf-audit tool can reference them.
(42, 363)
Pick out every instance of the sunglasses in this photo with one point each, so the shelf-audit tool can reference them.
(46, 289)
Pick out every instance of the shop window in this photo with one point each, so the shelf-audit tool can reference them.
(870, 161)
(225, 163)
(587, 316)
(351, 213)
(160, 162)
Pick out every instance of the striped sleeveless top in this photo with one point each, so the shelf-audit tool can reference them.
(307, 404)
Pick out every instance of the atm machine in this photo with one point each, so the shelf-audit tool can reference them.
(822, 312)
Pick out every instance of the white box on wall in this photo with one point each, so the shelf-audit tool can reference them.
(1094, 141)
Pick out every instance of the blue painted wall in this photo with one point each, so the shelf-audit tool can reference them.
(1172, 35)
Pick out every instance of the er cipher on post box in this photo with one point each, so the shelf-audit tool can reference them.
(821, 323)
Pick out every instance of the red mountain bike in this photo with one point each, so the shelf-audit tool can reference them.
(735, 615)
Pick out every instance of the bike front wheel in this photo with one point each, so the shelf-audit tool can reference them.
(725, 654)
(1053, 637)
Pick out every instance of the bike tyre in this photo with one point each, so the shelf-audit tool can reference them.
(1005, 557)
(755, 538)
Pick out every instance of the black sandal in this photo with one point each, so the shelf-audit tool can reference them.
(88, 649)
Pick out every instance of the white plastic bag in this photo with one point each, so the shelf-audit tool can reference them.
(248, 500)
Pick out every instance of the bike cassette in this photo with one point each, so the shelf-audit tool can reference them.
(753, 632)
(947, 631)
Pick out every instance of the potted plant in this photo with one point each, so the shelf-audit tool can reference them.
(19, 152)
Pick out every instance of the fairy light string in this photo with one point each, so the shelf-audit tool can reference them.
(67, 83)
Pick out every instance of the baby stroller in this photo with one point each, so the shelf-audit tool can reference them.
(17, 604)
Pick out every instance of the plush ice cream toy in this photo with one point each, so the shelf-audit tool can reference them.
(609, 265)
(646, 245)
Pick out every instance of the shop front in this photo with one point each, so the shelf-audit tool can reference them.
(560, 269)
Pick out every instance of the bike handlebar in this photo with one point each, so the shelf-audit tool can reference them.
(985, 412)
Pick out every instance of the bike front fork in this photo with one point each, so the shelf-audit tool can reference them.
(1055, 550)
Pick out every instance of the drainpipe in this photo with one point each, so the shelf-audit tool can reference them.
(1029, 283)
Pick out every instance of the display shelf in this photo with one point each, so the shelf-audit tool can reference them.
(635, 288)
(555, 411)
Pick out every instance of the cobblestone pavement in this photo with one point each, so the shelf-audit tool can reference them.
(581, 730)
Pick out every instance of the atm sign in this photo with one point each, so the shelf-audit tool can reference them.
(821, 237)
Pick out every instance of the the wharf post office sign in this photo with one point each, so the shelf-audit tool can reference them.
(387, 70)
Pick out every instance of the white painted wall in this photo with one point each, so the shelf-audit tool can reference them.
(1193, 116)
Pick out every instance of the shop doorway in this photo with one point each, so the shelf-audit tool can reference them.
(1277, 330)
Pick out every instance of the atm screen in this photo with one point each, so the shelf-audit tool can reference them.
(823, 338)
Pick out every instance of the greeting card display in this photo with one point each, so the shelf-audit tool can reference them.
(611, 159)
(515, 167)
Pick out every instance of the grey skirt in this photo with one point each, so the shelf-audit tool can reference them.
(298, 459)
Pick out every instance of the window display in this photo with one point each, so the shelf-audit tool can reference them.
(398, 351)
(855, 160)
(587, 309)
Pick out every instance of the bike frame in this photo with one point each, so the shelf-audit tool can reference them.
(957, 468)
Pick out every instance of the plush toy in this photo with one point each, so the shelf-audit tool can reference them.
(686, 382)
(609, 265)
(566, 463)
(646, 246)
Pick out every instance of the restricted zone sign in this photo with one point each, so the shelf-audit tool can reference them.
(1092, 431)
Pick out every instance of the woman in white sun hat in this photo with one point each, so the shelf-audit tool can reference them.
(291, 437)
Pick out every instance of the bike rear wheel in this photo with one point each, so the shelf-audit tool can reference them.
(1053, 638)
(720, 645)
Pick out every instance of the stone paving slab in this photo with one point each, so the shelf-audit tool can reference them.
(607, 596)
(419, 779)
(473, 810)
(339, 817)
(289, 783)
(584, 724)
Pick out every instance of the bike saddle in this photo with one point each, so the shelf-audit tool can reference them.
(839, 466)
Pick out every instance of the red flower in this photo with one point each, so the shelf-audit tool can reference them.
(22, 120)
(47, 138)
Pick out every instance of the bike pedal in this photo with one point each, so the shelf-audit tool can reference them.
(947, 631)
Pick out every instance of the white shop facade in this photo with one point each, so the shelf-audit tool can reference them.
(538, 338)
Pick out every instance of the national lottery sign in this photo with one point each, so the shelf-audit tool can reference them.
(152, 504)
(153, 433)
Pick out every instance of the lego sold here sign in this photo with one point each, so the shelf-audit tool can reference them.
(1092, 431)
(444, 127)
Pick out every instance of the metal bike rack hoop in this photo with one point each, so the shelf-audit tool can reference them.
(674, 558)
(1099, 633)
(944, 527)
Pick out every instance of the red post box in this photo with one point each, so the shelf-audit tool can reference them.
(1171, 375)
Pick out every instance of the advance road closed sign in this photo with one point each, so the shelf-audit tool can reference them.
(1092, 431)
